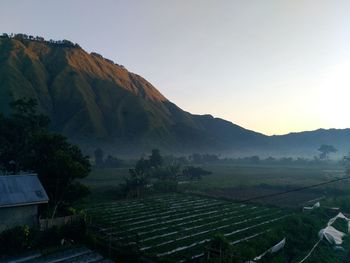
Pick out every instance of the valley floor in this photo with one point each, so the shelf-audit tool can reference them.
(179, 227)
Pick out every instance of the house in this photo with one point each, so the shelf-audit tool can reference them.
(20, 196)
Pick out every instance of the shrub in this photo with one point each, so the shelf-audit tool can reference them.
(15, 240)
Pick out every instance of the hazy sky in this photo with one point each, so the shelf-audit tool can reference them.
(271, 66)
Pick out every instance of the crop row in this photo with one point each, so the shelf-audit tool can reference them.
(180, 226)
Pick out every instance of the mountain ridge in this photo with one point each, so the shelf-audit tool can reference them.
(95, 101)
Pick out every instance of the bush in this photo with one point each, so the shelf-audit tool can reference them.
(19, 239)
(15, 240)
(75, 231)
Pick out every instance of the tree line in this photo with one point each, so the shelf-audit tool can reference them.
(152, 174)
(21, 37)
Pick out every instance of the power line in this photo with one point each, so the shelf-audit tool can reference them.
(294, 190)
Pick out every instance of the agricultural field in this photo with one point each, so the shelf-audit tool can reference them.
(178, 227)
(237, 182)
(230, 175)
(244, 183)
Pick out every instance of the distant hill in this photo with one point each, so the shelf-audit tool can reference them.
(96, 102)
(306, 143)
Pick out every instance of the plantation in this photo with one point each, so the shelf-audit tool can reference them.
(178, 227)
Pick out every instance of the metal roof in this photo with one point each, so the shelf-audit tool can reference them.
(18, 190)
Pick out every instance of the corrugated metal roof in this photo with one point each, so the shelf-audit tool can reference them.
(18, 190)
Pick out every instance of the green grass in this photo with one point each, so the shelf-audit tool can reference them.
(233, 176)
(104, 182)
(105, 177)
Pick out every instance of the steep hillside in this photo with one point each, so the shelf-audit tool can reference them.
(94, 101)
(98, 103)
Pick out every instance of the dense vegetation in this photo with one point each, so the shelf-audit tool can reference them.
(22, 238)
(25, 37)
(27, 145)
(176, 227)
(152, 174)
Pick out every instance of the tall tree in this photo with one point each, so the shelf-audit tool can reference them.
(26, 144)
(17, 134)
(325, 150)
(59, 164)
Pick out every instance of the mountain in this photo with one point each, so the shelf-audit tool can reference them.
(93, 101)
(98, 103)
(306, 143)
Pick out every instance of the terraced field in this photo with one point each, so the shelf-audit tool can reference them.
(179, 226)
(63, 255)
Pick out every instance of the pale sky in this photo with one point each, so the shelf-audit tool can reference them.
(273, 66)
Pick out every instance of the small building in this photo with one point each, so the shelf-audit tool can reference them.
(20, 196)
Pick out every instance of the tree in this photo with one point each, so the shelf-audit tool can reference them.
(135, 184)
(27, 145)
(59, 164)
(164, 177)
(17, 134)
(326, 150)
(170, 172)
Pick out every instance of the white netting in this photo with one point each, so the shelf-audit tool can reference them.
(316, 205)
(329, 233)
(332, 235)
(273, 249)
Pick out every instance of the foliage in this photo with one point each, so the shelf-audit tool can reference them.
(167, 173)
(26, 145)
(18, 133)
(326, 150)
(15, 240)
(25, 37)
(151, 168)
(136, 183)
(21, 238)
(59, 164)
(296, 242)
